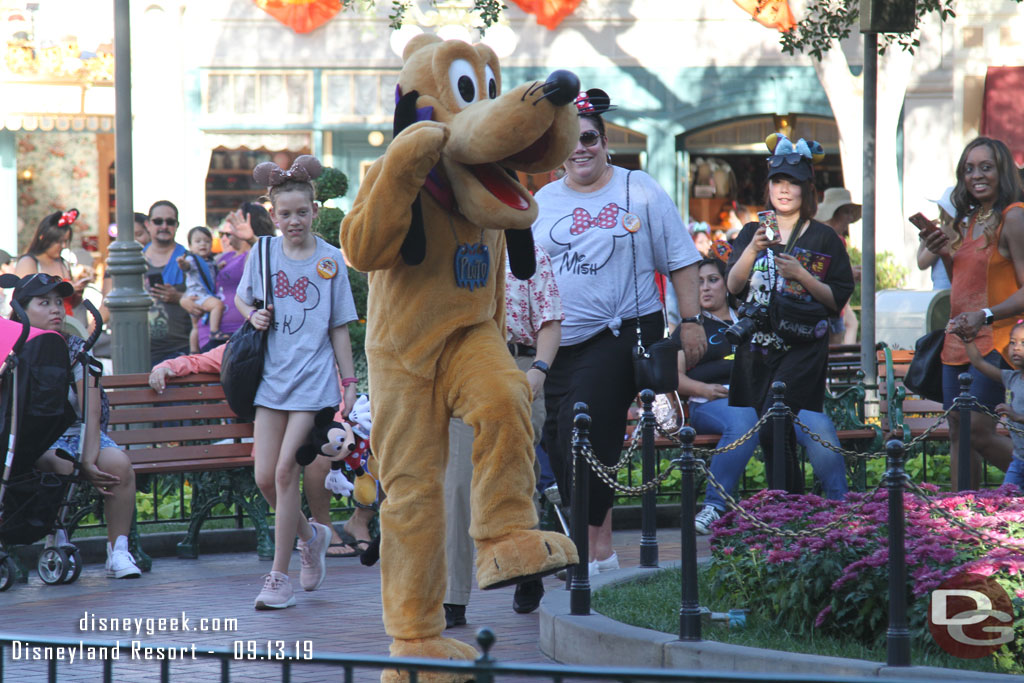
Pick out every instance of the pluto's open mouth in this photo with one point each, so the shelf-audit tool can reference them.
(499, 178)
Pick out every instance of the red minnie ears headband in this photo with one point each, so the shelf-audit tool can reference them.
(594, 101)
(67, 218)
(304, 169)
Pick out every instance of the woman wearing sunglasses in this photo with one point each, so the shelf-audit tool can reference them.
(795, 274)
(608, 230)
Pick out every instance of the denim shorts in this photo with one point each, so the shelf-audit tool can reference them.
(988, 393)
(70, 444)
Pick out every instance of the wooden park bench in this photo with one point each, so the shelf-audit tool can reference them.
(189, 428)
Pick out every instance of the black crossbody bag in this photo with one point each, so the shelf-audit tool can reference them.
(241, 369)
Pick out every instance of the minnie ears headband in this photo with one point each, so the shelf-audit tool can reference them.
(781, 146)
(303, 170)
(594, 102)
(67, 218)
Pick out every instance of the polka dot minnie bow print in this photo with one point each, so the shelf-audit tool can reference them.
(582, 221)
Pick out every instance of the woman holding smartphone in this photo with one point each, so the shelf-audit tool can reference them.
(768, 261)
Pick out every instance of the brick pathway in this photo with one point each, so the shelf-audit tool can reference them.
(342, 617)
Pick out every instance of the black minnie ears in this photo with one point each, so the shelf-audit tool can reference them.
(594, 101)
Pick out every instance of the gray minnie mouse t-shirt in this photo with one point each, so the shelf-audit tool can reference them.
(310, 298)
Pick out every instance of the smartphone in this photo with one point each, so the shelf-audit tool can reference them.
(155, 279)
(925, 225)
(770, 222)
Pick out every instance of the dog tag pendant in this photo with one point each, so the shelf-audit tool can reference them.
(472, 265)
(630, 221)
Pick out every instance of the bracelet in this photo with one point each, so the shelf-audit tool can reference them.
(691, 319)
(249, 318)
(346, 381)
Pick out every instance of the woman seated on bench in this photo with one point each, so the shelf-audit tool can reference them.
(356, 530)
(707, 386)
(102, 462)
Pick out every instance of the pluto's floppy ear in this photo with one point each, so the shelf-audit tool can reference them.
(414, 246)
(522, 260)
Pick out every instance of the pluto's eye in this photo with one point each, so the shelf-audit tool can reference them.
(463, 82)
(492, 82)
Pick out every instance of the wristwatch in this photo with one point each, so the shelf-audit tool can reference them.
(540, 365)
(990, 317)
(691, 319)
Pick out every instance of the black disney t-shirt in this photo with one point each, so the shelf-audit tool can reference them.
(765, 358)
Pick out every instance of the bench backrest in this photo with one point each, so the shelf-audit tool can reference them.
(199, 438)
(902, 411)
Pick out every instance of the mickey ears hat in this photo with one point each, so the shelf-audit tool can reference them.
(594, 101)
(792, 159)
(37, 284)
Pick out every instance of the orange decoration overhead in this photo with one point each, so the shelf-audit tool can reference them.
(549, 12)
(769, 13)
(302, 16)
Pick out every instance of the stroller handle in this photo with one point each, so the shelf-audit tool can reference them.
(25, 327)
(97, 324)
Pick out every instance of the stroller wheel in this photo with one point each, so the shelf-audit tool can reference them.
(53, 566)
(75, 560)
(7, 572)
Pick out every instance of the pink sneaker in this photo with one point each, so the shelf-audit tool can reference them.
(277, 592)
(313, 553)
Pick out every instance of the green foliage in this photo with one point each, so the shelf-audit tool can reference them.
(889, 273)
(826, 21)
(331, 184)
(489, 11)
(327, 224)
(357, 329)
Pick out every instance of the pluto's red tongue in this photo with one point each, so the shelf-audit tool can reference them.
(499, 184)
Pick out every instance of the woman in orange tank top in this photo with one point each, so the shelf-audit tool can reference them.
(984, 256)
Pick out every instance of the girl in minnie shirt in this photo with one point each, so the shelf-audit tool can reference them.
(307, 333)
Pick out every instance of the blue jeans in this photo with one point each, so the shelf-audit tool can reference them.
(718, 417)
(1015, 473)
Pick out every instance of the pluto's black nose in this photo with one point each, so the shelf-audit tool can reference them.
(562, 87)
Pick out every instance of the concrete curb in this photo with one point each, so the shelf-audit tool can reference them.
(597, 640)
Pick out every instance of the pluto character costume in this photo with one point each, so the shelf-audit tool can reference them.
(429, 225)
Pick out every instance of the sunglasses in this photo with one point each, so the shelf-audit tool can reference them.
(792, 159)
(590, 138)
(171, 222)
(44, 278)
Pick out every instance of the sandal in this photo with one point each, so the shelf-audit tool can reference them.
(356, 546)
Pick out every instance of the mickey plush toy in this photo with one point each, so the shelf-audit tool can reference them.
(339, 443)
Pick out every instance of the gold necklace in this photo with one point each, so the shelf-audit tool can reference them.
(984, 217)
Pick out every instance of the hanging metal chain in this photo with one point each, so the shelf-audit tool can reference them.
(979, 535)
(1011, 426)
(603, 473)
(731, 504)
(707, 453)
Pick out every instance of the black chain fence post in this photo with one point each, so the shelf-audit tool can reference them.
(649, 502)
(579, 590)
(965, 404)
(779, 424)
(898, 635)
(689, 607)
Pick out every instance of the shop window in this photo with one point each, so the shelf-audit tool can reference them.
(281, 94)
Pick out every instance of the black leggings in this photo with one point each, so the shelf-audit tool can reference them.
(598, 372)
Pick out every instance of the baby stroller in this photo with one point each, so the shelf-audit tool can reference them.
(34, 381)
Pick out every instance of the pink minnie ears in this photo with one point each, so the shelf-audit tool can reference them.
(303, 170)
(594, 101)
(68, 218)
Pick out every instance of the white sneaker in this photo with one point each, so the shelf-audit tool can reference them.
(120, 564)
(312, 553)
(277, 592)
(702, 522)
(608, 564)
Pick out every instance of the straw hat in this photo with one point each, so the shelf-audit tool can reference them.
(834, 199)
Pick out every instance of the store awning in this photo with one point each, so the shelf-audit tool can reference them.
(1001, 112)
(61, 122)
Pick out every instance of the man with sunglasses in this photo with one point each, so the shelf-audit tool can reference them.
(169, 323)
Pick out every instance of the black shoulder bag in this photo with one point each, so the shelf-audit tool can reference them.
(796, 321)
(241, 369)
(654, 367)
